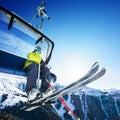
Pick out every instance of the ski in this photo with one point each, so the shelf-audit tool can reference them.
(74, 86)
(90, 73)
(94, 68)
(62, 92)
(79, 84)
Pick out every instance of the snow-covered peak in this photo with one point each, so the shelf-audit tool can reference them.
(90, 91)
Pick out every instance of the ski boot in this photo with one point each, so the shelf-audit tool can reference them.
(33, 94)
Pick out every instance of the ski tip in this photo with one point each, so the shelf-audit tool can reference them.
(96, 63)
(104, 69)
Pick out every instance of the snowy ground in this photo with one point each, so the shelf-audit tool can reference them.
(10, 86)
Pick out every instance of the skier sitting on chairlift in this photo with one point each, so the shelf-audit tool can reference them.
(33, 72)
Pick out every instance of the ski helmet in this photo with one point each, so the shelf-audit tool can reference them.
(38, 49)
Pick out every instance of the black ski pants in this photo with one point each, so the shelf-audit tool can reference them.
(32, 75)
(45, 76)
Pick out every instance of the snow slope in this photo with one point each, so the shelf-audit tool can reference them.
(10, 86)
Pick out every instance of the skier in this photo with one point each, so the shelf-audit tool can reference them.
(31, 67)
(41, 11)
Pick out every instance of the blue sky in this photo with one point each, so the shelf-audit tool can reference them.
(84, 31)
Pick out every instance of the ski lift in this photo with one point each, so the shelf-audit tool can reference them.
(17, 39)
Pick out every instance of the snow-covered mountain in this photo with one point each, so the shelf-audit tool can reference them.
(91, 104)
(87, 103)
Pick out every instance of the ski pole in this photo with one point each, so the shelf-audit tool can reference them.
(64, 103)
(38, 81)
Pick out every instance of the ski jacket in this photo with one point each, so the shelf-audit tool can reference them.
(33, 57)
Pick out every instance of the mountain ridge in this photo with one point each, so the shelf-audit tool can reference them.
(91, 104)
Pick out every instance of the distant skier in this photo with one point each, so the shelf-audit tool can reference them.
(32, 68)
(41, 12)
